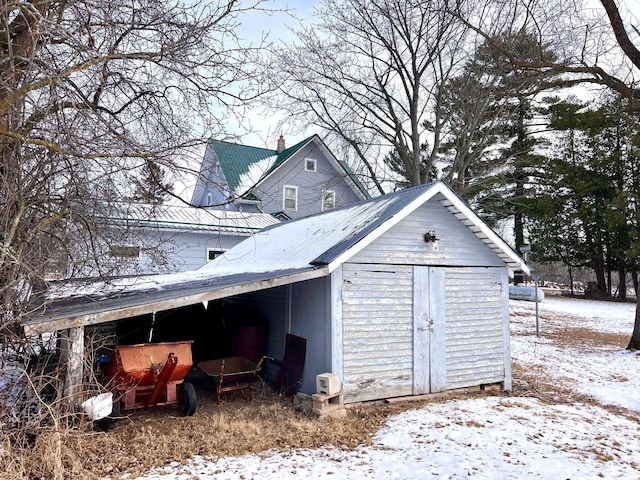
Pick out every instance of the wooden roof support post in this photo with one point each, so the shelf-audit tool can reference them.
(72, 357)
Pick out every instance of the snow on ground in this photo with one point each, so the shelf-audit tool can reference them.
(603, 371)
(501, 437)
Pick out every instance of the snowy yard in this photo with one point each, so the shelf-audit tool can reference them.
(574, 414)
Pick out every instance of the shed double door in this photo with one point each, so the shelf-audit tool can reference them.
(393, 331)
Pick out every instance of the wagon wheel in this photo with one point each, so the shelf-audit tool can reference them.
(187, 399)
(110, 420)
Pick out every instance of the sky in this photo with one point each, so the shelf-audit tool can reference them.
(576, 436)
(277, 27)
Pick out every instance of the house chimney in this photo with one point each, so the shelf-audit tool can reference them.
(280, 148)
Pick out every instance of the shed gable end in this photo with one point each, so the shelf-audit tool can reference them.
(453, 244)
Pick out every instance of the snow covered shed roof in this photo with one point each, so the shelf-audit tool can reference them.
(290, 252)
(331, 238)
(88, 302)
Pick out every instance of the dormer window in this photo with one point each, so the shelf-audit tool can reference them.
(290, 198)
(310, 164)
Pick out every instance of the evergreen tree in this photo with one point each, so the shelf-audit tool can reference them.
(589, 199)
(491, 152)
(151, 186)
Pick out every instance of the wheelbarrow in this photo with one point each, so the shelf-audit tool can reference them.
(151, 374)
(233, 374)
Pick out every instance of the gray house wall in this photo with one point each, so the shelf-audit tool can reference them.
(310, 184)
(165, 251)
(190, 248)
(210, 191)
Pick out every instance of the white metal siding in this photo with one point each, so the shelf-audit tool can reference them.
(474, 330)
(377, 302)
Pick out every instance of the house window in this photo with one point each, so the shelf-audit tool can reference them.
(213, 253)
(328, 200)
(290, 201)
(310, 164)
(124, 251)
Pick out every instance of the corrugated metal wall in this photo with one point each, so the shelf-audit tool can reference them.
(378, 331)
(474, 328)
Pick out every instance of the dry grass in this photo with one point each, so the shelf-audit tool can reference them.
(157, 436)
(586, 339)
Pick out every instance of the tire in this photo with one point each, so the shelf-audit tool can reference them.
(187, 400)
(110, 420)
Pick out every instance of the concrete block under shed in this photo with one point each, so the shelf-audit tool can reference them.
(328, 383)
(328, 405)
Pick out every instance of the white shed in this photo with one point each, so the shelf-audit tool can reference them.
(403, 294)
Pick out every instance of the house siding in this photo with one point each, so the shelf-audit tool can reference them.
(183, 251)
(310, 184)
(214, 185)
(405, 244)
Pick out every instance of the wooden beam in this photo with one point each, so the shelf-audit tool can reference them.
(72, 355)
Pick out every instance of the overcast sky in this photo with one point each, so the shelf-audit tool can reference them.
(253, 26)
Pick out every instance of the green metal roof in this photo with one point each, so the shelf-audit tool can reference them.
(236, 159)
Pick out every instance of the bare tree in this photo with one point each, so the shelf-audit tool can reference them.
(370, 74)
(91, 92)
(581, 36)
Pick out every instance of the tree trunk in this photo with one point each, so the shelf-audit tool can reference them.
(622, 288)
(598, 268)
(634, 342)
(571, 279)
